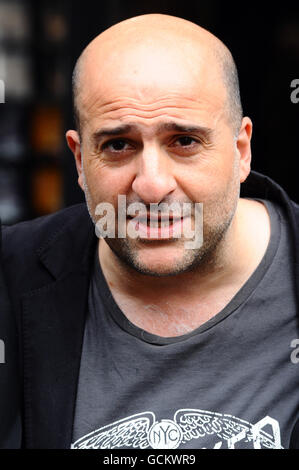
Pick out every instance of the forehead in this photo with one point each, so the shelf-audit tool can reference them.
(148, 81)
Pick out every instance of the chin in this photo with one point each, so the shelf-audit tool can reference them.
(157, 270)
(155, 260)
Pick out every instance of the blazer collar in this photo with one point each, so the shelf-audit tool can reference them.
(70, 247)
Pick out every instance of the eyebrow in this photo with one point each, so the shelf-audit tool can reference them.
(167, 126)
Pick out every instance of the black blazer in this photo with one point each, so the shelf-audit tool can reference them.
(10, 410)
(47, 263)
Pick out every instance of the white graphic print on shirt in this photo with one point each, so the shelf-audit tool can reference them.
(142, 431)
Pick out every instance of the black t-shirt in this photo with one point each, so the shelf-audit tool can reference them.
(231, 383)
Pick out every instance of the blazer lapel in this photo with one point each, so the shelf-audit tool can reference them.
(53, 327)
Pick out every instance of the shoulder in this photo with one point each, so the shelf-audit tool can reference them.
(35, 233)
(25, 244)
(259, 186)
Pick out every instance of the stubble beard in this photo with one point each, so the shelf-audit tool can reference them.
(204, 259)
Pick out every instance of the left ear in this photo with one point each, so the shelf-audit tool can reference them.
(243, 147)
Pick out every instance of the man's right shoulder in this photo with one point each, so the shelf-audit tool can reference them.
(26, 238)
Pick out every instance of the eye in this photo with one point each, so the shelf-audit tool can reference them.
(116, 145)
(185, 145)
(185, 140)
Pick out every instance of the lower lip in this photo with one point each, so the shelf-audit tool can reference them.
(173, 230)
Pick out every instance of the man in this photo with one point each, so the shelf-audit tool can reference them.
(143, 341)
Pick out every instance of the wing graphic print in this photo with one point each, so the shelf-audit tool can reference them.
(128, 432)
(196, 424)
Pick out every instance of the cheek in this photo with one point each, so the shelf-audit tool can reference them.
(214, 183)
(105, 184)
(204, 183)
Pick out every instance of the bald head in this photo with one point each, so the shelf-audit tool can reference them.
(184, 45)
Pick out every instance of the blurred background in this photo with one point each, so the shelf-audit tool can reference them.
(40, 42)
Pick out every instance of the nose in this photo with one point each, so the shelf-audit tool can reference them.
(154, 179)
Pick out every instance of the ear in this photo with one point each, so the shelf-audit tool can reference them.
(244, 148)
(73, 141)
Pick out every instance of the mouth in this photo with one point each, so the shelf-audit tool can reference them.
(157, 227)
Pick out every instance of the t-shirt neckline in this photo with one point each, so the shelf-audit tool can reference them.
(239, 298)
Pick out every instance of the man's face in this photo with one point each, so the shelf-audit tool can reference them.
(155, 129)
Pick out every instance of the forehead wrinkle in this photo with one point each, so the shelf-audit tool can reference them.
(118, 101)
(147, 107)
(147, 121)
(192, 121)
(120, 109)
(198, 94)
